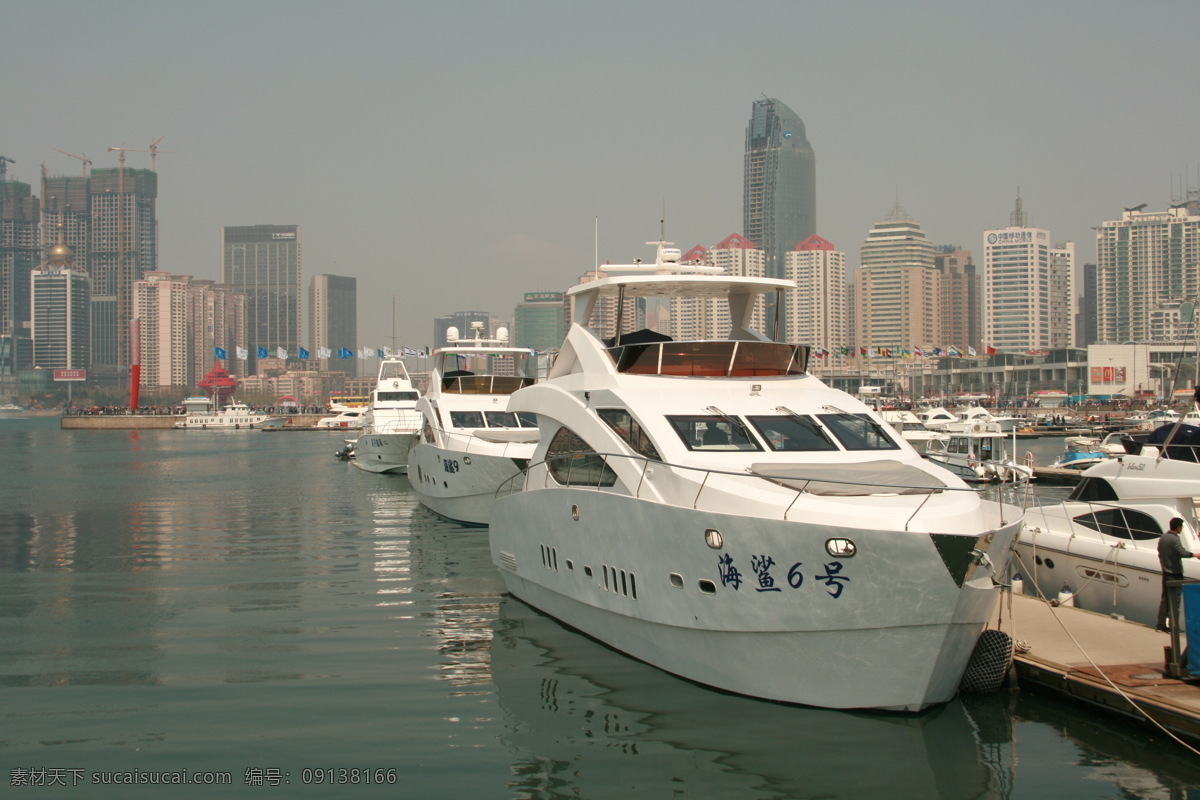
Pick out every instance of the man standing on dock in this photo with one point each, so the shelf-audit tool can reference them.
(1170, 558)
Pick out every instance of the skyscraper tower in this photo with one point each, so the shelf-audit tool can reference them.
(19, 255)
(779, 202)
(332, 314)
(263, 263)
(61, 312)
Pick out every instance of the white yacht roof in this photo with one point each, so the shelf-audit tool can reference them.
(679, 285)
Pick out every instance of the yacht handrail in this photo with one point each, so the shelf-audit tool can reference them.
(1016, 490)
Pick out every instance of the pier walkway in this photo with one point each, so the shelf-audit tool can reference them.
(1108, 663)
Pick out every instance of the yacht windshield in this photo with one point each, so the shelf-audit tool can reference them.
(792, 433)
(858, 432)
(710, 432)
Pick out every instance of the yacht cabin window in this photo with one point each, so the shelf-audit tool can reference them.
(1123, 523)
(792, 433)
(395, 397)
(466, 419)
(709, 432)
(630, 431)
(572, 462)
(858, 432)
(492, 419)
(500, 419)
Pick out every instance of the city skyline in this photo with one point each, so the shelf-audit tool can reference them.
(458, 161)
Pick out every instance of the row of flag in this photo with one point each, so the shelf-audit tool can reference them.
(324, 352)
(902, 352)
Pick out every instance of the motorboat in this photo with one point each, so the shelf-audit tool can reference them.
(391, 423)
(1100, 545)
(351, 418)
(234, 415)
(1081, 452)
(470, 443)
(936, 418)
(711, 508)
(909, 426)
(976, 452)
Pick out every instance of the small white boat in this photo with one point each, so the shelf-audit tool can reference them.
(976, 453)
(936, 418)
(351, 418)
(233, 416)
(909, 426)
(470, 444)
(1080, 453)
(390, 425)
(711, 508)
(1102, 542)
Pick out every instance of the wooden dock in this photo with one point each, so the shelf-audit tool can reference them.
(1109, 664)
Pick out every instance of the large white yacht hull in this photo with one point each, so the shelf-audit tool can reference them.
(383, 452)
(889, 628)
(457, 485)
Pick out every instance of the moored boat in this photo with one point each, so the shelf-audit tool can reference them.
(391, 423)
(469, 444)
(232, 416)
(712, 509)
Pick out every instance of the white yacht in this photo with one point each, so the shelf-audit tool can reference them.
(1101, 544)
(712, 509)
(470, 443)
(198, 415)
(909, 426)
(391, 423)
(351, 419)
(976, 452)
(936, 418)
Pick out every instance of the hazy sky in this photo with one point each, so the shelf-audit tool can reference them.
(453, 155)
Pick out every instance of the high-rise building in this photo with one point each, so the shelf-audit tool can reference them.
(123, 247)
(1143, 260)
(216, 318)
(61, 303)
(160, 303)
(263, 262)
(19, 255)
(540, 322)
(779, 203)
(962, 325)
(1027, 288)
(1085, 322)
(332, 315)
(897, 287)
(816, 309)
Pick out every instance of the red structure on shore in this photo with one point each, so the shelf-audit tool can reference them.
(218, 384)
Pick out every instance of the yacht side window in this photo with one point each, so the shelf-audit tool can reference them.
(1122, 523)
(427, 431)
(630, 431)
(573, 463)
(792, 433)
(858, 432)
(527, 419)
(395, 397)
(710, 432)
(500, 419)
(466, 419)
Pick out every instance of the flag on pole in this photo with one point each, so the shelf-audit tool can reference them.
(344, 353)
(970, 351)
(262, 352)
(220, 352)
(408, 351)
(280, 353)
(243, 353)
(991, 351)
(379, 353)
(324, 352)
(303, 354)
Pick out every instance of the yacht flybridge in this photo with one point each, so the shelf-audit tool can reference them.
(712, 509)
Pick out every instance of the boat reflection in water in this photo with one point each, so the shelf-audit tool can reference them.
(608, 726)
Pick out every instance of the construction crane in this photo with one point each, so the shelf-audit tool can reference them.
(87, 162)
(4, 162)
(153, 151)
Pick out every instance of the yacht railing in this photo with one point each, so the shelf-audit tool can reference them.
(595, 473)
(464, 442)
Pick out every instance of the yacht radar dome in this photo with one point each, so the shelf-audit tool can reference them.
(452, 334)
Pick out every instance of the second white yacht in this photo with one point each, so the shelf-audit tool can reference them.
(469, 443)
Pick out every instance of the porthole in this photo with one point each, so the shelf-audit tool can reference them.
(707, 586)
(467, 460)
(713, 539)
(676, 580)
(575, 513)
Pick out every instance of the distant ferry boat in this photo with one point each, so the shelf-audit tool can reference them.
(233, 416)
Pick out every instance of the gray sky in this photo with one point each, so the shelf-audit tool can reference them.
(454, 155)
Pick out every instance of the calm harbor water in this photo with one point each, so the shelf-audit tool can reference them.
(241, 606)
